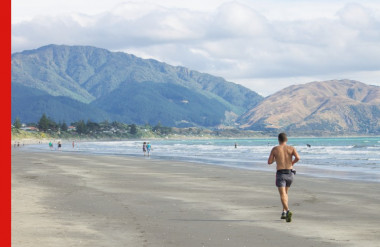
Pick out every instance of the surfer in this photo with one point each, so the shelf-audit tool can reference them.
(283, 156)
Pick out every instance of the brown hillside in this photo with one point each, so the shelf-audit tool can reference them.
(329, 106)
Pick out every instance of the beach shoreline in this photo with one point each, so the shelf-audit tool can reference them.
(29, 141)
(326, 159)
(78, 199)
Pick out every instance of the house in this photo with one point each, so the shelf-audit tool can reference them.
(30, 128)
(71, 128)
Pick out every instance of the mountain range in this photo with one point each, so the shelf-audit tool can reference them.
(70, 83)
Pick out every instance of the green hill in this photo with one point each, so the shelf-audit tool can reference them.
(172, 105)
(29, 104)
(104, 83)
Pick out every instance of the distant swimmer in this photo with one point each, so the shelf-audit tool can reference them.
(148, 147)
(144, 148)
(283, 156)
(308, 145)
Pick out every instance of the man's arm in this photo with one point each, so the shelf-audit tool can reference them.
(271, 158)
(296, 156)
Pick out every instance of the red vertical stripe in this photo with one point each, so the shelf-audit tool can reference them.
(5, 67)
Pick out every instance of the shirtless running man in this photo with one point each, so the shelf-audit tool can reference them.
(283, 155)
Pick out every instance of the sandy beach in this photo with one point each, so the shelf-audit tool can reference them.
(65, 199)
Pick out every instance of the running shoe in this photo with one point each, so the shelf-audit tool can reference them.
(288, 216)
(283, 215)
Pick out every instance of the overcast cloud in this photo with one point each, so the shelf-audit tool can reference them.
(264, 45)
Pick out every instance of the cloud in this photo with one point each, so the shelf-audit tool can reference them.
(234, 20)
(234, 40)
(356, 16)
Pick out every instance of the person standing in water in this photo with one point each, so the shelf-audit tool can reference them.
(144, 148)
(148, 147)
(283, 156)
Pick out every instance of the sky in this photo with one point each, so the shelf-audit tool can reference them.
(265, 45)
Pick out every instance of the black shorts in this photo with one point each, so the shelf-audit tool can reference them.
(284, 178)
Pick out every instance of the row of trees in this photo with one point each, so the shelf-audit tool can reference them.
(88, 127)
(47, 124)
(44, 124)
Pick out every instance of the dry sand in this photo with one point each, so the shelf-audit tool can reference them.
(63, 199)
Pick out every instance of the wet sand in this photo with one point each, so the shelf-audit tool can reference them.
(64, 199)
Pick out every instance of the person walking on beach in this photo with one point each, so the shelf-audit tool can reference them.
(148, 147)
(73, 144)
(283, 156)
(144, 148)
(51, 145)
(59, 145)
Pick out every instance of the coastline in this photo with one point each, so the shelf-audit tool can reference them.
(31, 141)
(26, 137)
(218, 152)
(102, 200)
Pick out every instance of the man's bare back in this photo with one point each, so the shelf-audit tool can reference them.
(283, 155)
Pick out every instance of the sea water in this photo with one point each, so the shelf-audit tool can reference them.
(344, 158)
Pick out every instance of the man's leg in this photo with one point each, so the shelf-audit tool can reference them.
(284, 197)
(284, 200)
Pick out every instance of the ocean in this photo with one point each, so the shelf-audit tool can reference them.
(342, 158)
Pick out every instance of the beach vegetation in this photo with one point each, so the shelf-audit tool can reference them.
(64, 126)
(43, 124)
(47, 124)
(17, 123)
(80, 127)
(133, 129)
(115, 130)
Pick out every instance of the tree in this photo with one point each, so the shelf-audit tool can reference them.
(147, 126)
(64, 126)
(43, 124)
(17, 123)
(81, 127)
(92, 126)
(157, 127)
(52, 124)
(166, 130)
(133, 129)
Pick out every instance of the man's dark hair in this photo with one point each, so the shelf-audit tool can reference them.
(282, 137)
